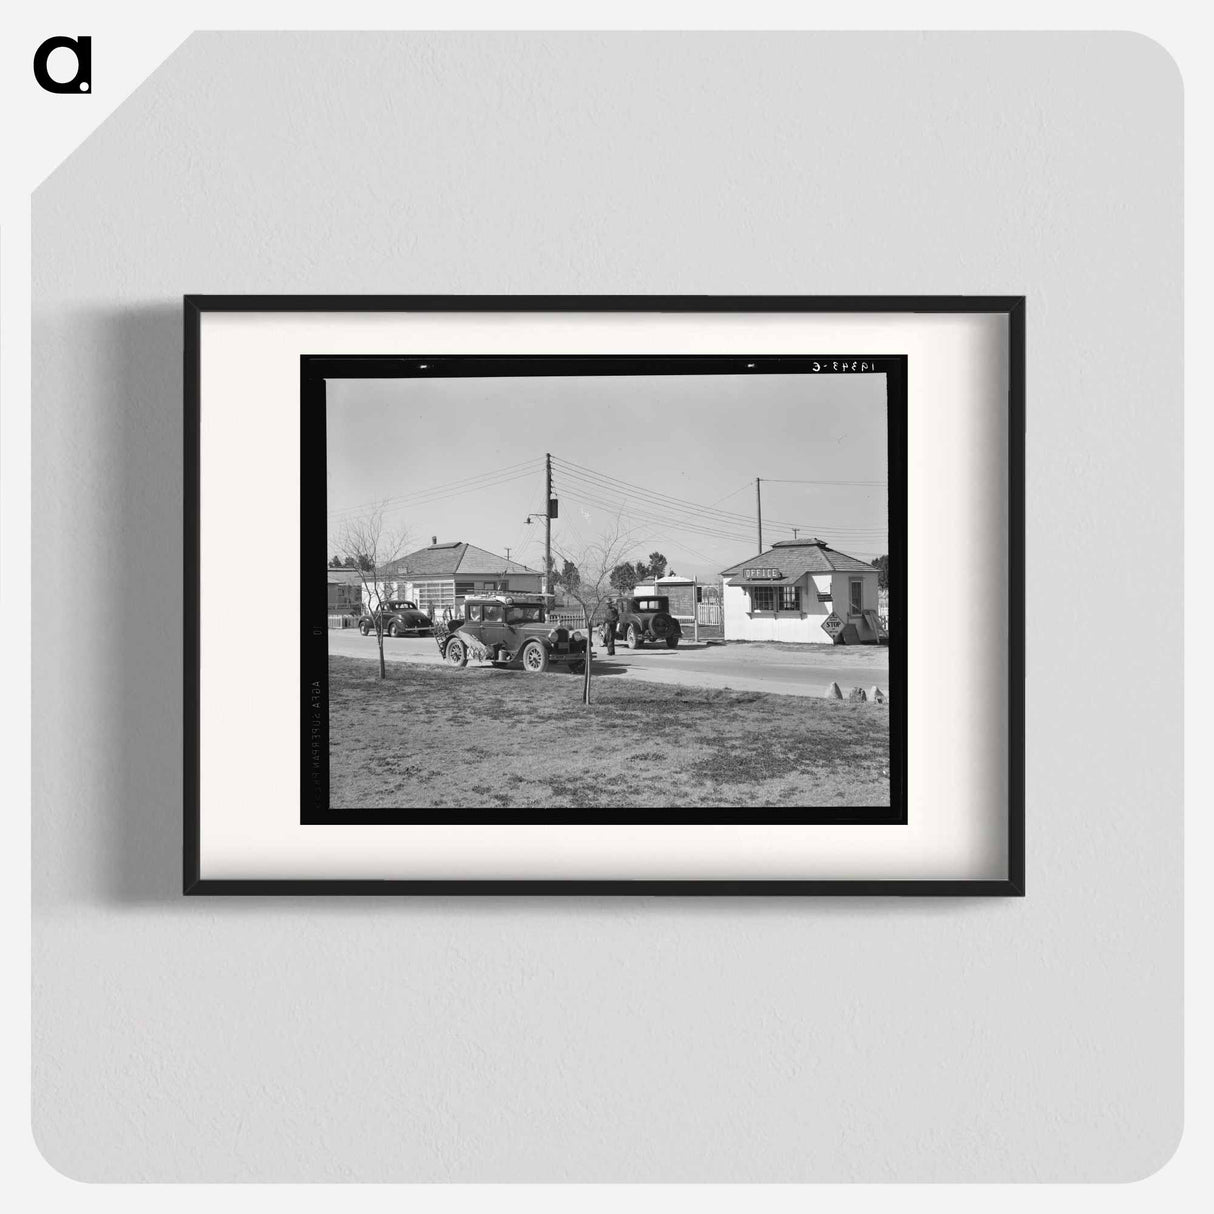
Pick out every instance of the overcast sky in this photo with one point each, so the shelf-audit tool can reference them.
(699, 440)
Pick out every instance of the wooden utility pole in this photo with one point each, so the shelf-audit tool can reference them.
(759, 512)
(547, 524)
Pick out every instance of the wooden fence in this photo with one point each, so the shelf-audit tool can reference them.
(569, 619)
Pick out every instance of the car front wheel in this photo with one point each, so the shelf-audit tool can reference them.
(455, 653)
(672, 642)
(535, 658)
(364, 627)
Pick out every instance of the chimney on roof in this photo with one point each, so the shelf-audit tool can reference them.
(433, 540)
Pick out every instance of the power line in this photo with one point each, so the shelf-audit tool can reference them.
(653, 517)
(666, 521)
(776, 480)
(456, 486)
(729, 495)
(769, 479)
(664, 510)
(664, 529)
(438, 492)
(654, 497)
(736, 527)
(436, 499)
(604, 480)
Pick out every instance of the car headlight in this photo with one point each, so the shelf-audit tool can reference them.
(577, 636)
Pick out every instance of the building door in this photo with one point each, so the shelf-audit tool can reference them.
(856, 600)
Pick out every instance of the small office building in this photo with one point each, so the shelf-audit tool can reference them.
(802, 590)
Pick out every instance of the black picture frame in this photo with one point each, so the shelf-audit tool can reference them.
(315, 368)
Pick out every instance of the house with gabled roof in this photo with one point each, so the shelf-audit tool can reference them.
(443, 575)
(801, 590)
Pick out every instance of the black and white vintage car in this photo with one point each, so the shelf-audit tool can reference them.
(400, 618)
(509, 629)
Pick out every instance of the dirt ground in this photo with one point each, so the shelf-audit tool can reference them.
(433, 736)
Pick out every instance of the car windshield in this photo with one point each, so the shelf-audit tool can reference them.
(530, 613)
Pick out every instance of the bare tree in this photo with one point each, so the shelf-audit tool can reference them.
(588, 582)
(370, 547)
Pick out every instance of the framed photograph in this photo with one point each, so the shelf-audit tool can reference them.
(606, 557)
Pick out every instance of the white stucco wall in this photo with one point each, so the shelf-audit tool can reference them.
(805, 627)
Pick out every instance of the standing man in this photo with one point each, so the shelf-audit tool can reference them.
(609, 623)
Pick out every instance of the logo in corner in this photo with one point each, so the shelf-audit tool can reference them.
(82, 48)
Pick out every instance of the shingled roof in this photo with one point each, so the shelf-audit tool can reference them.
(446, 560)
(794, 559)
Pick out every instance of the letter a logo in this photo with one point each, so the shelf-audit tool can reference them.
(82, 81)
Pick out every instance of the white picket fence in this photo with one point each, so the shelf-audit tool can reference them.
(567, 619)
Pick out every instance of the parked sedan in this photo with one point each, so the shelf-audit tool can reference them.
(648, 618)
(400, 618)
(508, 628)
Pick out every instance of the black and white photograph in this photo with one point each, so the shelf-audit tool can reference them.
(615, 564)
(609, 584)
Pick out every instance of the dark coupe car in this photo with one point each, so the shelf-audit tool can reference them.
(400, 618)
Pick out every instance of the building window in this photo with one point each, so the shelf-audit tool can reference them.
(856, 596)
(775, 598)
(763, 598)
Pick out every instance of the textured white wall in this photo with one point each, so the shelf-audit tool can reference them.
(627, 1039)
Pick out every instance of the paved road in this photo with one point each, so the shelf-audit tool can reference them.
(806, 671)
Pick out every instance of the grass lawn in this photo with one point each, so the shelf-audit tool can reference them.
(485, 738)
